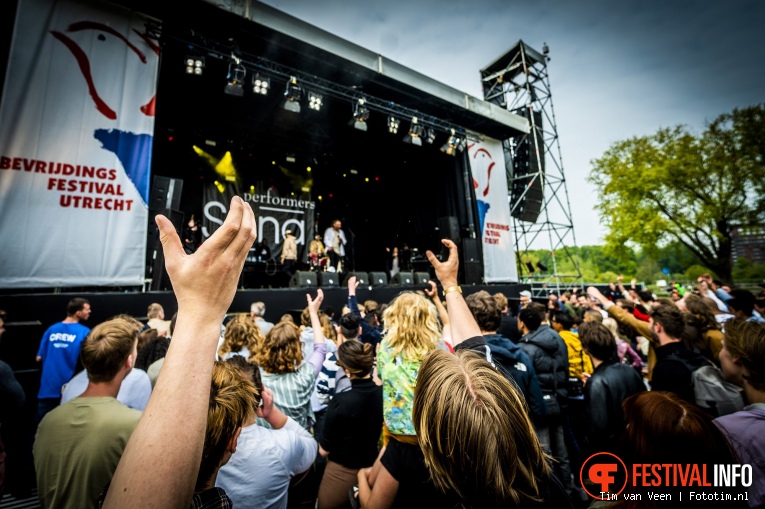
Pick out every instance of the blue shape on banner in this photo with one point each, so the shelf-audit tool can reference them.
(134, 152)
(483, 208)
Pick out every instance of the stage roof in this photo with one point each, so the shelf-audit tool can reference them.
(282, 38)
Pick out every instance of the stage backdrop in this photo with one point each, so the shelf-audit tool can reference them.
(274, 214)
(76, 126)
(487, 163)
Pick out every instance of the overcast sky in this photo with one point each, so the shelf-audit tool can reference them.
(618, 68)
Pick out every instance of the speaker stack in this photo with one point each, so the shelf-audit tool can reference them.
(304, 279)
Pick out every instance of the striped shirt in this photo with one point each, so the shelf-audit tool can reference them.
(292, 391)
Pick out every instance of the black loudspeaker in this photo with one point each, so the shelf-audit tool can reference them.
(303, 279)
(473, 273)
(403, 279)
(155, 260)
(165, 193)
(421, 278)
(378, 279)
(471, 250)
(361, 277)
(527, 190)
(328, 279)
(449, 228)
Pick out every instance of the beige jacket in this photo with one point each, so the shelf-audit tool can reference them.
(289, 249)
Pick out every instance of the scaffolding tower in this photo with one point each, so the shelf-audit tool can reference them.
(537, 192)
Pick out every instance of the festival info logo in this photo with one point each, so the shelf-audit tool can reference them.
(482, 168)
(603, 475)
(133, 150)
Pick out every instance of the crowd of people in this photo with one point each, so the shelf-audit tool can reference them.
(429, 400)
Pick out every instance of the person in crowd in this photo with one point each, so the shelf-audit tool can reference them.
(674, 362)
(702, 331)
(58, 352)
(242, 337)
(134, 392)
(610, 384)
(349, 329)
(399, 477)
(743, 363)
(525, 299)
(289, 252)
(369, 333)
(548, 354)
(145, 337)
(579, 363)
(291, 380)
(11, 399)
(257, 313)
(259, 471)
(666, 429)
(160, 351)
(352, 427)
(741, 305)
(156, 315)
(592, 315)
(79, 443)
(508, 325)
(506, 355)
(431, 291)
(152, 352)
(720, 316)
(624, 351)
(335, 241)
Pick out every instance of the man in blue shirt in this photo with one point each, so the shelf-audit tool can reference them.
(59, 351)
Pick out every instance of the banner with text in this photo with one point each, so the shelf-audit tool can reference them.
(76, 127)
(274, 214)
(487, 163)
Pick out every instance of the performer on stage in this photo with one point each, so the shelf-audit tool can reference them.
(315, 252)
(334, 240)
(289, 252)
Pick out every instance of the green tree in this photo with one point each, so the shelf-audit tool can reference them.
(675, 186)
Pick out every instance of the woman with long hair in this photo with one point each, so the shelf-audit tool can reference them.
(285, 373)
(240, 338)
(702, 331)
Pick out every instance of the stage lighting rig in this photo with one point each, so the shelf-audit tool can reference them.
(236, 75)
(415, 133)
(453, 144)
(315, 101)
(393, 124)
(360, 114)
(430, 135)
(294, 94)
(195, 65)
(261, 85)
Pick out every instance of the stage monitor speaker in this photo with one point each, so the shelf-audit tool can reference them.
(165, 193)
(303, 279)
(377, 279)
(473, 273)
(403, 279)
(328, 279)
(471, 250)
(421, 278)
(361, 277)
(449, 228)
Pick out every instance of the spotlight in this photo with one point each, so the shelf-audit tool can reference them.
(452, 144)
(393, 124)
(195, 65)
(360, 114)
(415, 133)
(293, 93)
(261, 85)
(542, 267)
(431, 135)
(236, 74)
(315, 101)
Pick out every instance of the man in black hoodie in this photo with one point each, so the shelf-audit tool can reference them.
(548, 354)
(507, 356)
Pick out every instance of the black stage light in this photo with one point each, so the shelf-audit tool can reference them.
(415, 133)
(293, 93)
(360, 114)
(236, 75)
(452, 144)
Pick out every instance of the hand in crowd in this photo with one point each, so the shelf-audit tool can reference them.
(353, 283)
(267, 397)
(446, 272)
(432, 290)
(595, 293)
(315, 303)
(620, 278)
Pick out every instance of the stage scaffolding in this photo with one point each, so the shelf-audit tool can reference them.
(539, 203)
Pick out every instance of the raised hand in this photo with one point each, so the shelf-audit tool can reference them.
(431, 291)
(446, 272)
(315, 304)
(265, 409)
(353, 283)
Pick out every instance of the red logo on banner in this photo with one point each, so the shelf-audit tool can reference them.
(603, 475)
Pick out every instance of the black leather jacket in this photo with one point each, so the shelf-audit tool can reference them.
(609, 386)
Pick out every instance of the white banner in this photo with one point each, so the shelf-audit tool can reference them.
(487, 163)
(76, 127)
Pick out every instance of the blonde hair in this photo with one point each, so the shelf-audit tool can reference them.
(612, 325)
(280, 351)
(241, 332)
(411, 326)
(154, 310)
(327, 328)
(107, 347)
(746, 340)
(232, 404)
(470, 419)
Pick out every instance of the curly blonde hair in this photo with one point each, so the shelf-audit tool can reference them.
(411, 326)
(280, 351)
(241, 332)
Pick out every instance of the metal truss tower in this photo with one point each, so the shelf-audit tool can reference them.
(537, 192)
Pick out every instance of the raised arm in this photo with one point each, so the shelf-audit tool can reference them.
(319, 345)
(160, 463)
(432, 292)
(461, 321)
